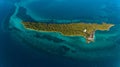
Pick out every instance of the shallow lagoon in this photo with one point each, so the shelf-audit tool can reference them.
(105, 48)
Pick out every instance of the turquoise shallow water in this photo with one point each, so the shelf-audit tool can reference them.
(31, 48)
(104, 41)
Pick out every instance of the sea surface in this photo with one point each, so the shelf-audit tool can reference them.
(16, 54)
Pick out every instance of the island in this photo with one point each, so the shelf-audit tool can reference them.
(87, 30)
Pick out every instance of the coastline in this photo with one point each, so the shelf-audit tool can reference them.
(75, 29)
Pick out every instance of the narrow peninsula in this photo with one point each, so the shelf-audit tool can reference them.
(87, 30)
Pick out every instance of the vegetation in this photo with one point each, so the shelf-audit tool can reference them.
(73, 29)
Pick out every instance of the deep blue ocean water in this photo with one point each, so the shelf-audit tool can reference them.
(13, 54)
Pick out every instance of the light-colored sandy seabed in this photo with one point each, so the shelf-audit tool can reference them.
(106, 45)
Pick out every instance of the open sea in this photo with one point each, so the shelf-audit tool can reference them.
(16, 54)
